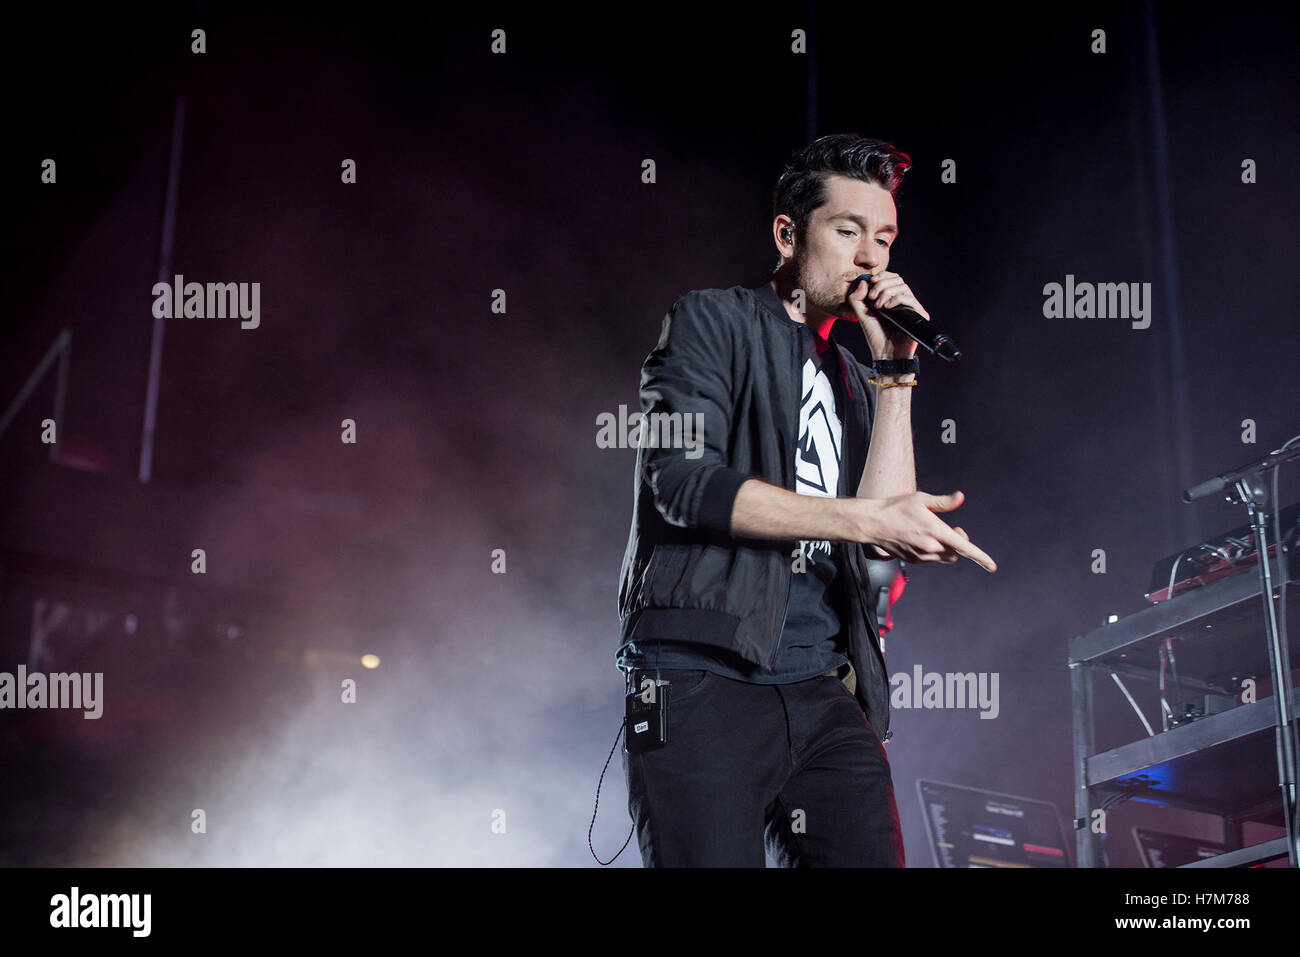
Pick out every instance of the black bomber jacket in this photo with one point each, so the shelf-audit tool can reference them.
(732, 359)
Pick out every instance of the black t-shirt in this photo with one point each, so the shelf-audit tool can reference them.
(810, 642)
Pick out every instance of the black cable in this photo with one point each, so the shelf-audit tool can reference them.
(621, 726)
(1127, 791)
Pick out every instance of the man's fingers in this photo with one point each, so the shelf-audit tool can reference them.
(933, 540)
(883, 286)
(968, 548)
(931, 546)
(945, 503)
(955, 538)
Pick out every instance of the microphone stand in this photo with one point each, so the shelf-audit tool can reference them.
(1252, 491)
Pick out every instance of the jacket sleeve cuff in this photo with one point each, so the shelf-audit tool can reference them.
(719, 498)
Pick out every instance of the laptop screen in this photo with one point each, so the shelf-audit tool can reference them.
(968, 827)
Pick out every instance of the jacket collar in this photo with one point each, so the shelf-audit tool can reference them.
(768, 298)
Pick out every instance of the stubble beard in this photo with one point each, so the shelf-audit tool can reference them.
(818, 295)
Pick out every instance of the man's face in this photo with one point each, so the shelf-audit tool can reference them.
(849, 235)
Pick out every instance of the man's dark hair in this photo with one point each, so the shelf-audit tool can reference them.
(802, 187)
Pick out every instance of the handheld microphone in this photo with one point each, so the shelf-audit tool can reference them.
(917, 327)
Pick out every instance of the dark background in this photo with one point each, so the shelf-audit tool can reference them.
(476, 430)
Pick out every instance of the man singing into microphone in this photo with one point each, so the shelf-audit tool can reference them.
(744, 592)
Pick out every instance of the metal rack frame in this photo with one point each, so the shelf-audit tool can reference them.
(1097, 774)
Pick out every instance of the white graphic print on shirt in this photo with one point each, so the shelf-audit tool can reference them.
(817, 458)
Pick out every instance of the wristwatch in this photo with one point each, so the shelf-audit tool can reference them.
(895, 366)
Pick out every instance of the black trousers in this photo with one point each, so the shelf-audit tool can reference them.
(795, 769)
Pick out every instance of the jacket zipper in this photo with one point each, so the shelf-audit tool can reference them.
(866, 621)
(775, 648)
(861, 581)
(794, 432)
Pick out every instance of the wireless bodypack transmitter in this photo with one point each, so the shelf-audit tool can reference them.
(647, 712)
